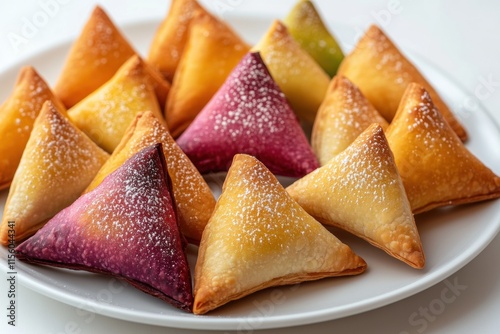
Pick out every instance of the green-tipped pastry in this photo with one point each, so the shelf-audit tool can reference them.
(307, 28)
(301, 79)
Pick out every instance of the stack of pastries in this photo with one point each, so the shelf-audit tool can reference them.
(114, 156)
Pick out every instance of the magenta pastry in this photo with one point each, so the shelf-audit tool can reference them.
(126, 227)
(249, 114)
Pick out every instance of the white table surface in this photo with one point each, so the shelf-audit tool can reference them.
(460, 37)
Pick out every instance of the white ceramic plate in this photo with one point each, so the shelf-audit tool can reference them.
(451, 237)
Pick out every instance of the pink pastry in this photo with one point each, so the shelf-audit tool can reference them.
(249, 114)
(126, 227)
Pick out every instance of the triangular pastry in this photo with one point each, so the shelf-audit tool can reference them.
(301, 79)
(258, 237)
(193, 197)
(93, 59)
(436, 168)
(213, 49)
(17, 116)
(126, 227)
(306, 26)
(170, 38)
(249, 114)
(106, 114)
(360, 191)
(58, 163)
(382, 73)
(344, 114)
(160, 85)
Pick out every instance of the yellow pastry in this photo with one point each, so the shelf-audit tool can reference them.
(160, 85)
(192, 195)
(258, 237)
(382, 73)
(301, 79)
(436, 168)
(213, 49)
(308, 29)
(17, 116)
(106, 114)
(58, 163)
(344, 114)
(360, 190)
(93, 59)
(170, 38)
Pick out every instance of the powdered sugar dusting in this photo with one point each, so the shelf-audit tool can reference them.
(386, 55)
(343, 116)
(139, 194)
(435, 166)
(275, 55)
(268, 218)
(193, 197)
(431, 132)
(426, 114)
(30, 93)
(363, 172)
(360, 190)
(59, 162)
(105, 115)
(308, 29)
(258, 232)
(127, 226)
(359, 185)
(300, 77)
(249, 114)
(367, 171)
(184, 15)
(102, 41)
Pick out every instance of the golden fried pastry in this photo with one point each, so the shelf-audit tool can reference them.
(93, 59)
(58, 163)
(106, 114)
(382, 73)
(258, 237)
(160, 85)
(126, 228)
(17, 116)
(344, 114)
(194, 200)
(301, 79)
(436, 168)
(170, 38)
(360, 191)
(306, 26)
(213, 49)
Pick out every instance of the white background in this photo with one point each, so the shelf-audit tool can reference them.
(460, 37)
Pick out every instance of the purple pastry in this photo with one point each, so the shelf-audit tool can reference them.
(249, 114)
(126, 227)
